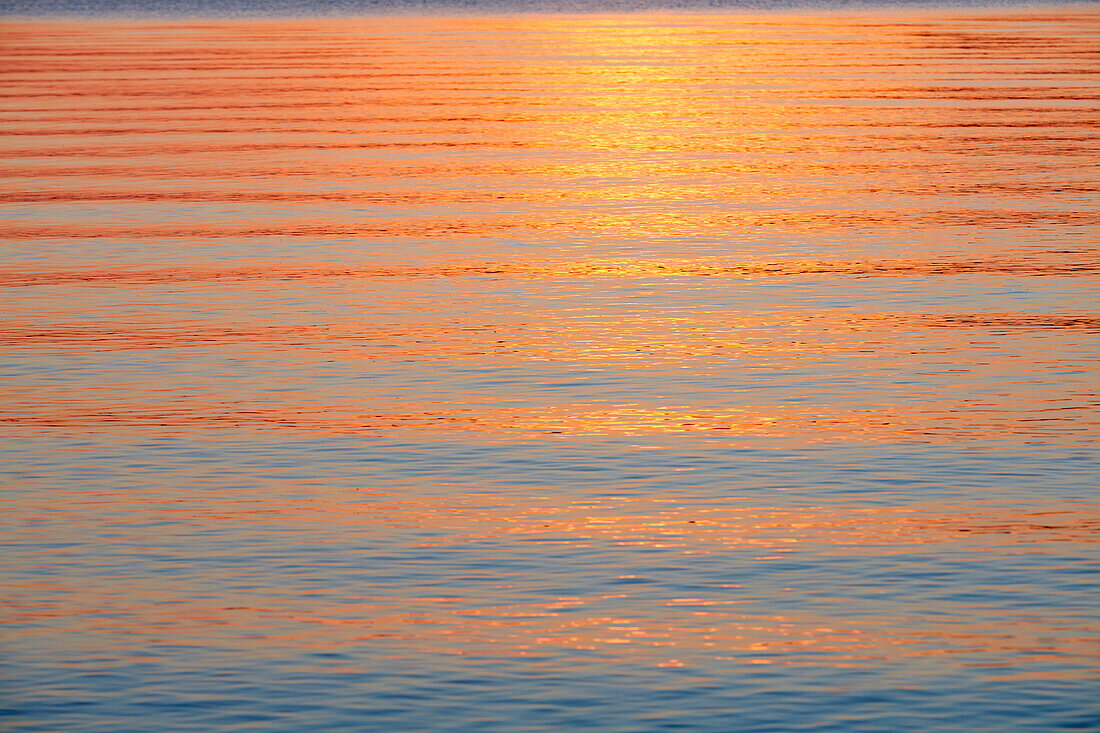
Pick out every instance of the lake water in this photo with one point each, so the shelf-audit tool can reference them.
(652, 371)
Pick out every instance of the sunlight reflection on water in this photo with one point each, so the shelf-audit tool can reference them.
(610, 372)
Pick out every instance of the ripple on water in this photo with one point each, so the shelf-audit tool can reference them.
(647, 371)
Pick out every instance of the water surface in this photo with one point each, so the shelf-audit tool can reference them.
(618, 372)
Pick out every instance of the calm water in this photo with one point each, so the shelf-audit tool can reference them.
(636, 372)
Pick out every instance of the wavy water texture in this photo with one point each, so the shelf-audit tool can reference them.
(623, 372)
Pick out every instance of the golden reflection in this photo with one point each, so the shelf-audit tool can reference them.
(937, 421)
(190, 207)
(1071, 263)
(698, 222)
(719, 123)
(666, 630)
(792, 332)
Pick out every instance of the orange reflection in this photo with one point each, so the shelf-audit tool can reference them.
(1076, 263)
(935, 421)
(157, 191)
(662, 631)
(659, 125)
